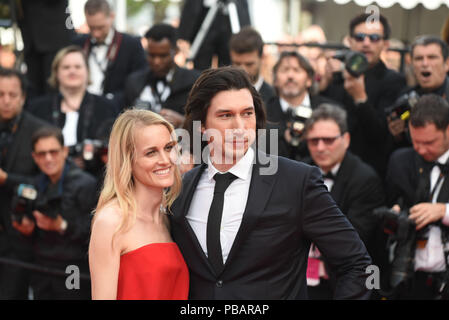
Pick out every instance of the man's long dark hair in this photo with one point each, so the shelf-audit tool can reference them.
(208, 85)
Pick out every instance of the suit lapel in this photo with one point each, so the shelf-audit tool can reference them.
(255, 205)
(182, 208)
(341, 179)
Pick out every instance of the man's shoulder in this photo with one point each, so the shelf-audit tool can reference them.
(187, 75)
(407, 153)
(32, 122)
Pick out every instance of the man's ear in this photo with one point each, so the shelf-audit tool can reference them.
(65, 151)
(446, 65)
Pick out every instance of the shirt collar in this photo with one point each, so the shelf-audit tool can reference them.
(334, 170)
(242, 169)
(443, 158)
(258, 83)
(285, 105)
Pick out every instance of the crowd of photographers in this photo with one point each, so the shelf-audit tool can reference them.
(382, 145)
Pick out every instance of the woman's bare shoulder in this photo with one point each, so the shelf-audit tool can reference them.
(108, 218)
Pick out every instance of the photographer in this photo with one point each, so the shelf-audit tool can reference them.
(288, 111)
(417, 184)
(65, 198)
(164, 87)
(16, 167)
(430, 61)
(366, 97)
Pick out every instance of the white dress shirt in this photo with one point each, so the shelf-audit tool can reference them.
(147, 95)
(431, 257)
(98, 63)
(329, 183)
(235, 199)
(305, 103)
(70, 129)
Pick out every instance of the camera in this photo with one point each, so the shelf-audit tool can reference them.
(26, 199)
(402, 107)
(355, 62)
(297, 118)
(89, 150)
(402, 231)
(23, 202)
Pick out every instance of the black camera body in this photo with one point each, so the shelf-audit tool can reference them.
(355, 62)
(402, 107)
(297, 118)
(402, 231)
(89, 150)
(26, 199)
(23, 202)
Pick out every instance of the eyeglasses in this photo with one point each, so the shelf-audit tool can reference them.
(326, 140)
(359, 37)
(53, 153)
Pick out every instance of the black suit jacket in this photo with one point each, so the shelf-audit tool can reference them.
(285, 211)
(403, 187)
(358, 190)
(266, 92)
(182, 81)
(103, 110)
(130, 57)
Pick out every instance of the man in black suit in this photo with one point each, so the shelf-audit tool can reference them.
(112, 55)
(251, 241)
(366, 97)
(247, 52)
(354, 185)
(164, 86)
(288, 111)
(216, 41)
(16, 167)
(417, 183)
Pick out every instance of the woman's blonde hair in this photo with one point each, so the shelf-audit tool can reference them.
(53, 79)
(119, 182)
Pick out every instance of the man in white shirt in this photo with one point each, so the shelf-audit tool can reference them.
(418, 178)
(292, 77)
(244, 231)
(112, 55)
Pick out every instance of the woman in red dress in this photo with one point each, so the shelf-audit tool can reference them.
(131, 253)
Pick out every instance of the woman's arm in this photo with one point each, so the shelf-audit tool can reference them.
(104, 256)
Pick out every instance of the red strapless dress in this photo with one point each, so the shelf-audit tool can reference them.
(156, 271)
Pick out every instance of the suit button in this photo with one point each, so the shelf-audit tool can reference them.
(219, 283)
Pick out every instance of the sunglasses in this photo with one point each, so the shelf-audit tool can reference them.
(359, 37)
(326, 140)
(53, 153)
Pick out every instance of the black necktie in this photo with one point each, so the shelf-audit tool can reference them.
(444, 168)
(222, 182)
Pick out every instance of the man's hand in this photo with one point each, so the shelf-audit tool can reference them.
(3, 177)
(175, 118)
(48, 224)
(425, 213)
(355, 87)
(25, 227)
